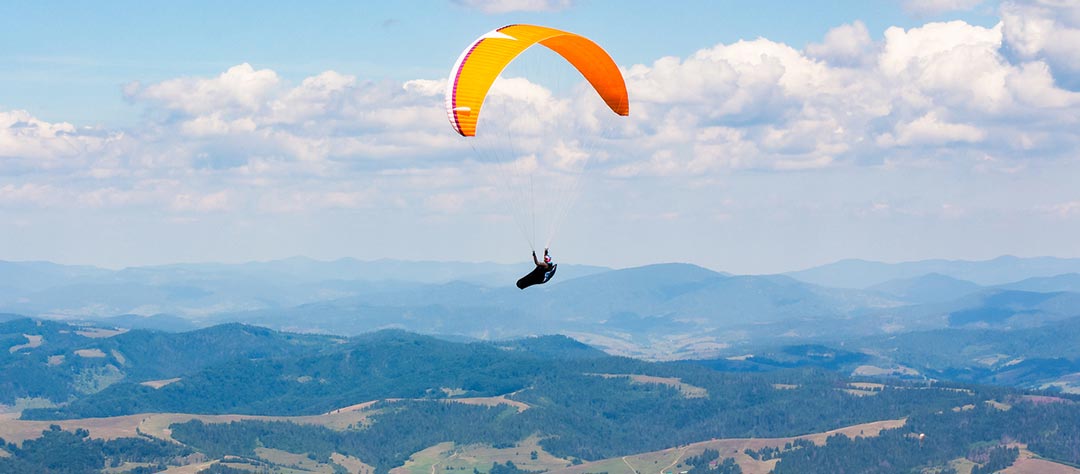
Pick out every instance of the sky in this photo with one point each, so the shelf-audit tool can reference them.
(763, 136)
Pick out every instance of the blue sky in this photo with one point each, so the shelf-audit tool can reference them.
(776, 135)
(67, 60)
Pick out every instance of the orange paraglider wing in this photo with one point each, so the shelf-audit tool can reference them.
(480, 64)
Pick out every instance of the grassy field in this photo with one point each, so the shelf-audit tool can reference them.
(189, 469)
(17, 431)
(300, 462)
(32, 342)
(157, 425)
(685, 389)
(159, 383)
(669, 460)
(351, 464)
(450, 457)
(442, 457)
(490, 401)
(426, 461)
(1030, 463)
(126, 467)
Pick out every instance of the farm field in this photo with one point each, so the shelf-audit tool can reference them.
(157, 424)
(669, 460)
(527, 455)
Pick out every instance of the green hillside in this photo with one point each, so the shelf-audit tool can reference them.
(61, 362)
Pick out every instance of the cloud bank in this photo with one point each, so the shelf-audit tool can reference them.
(947, 95)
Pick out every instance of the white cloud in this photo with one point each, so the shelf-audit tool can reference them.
(1045, 30)
(807, 164)
(845, 45)
(760, 104)
(426, 87)
(247, 140)
(215, 124)
(507, 6)
(313, 98)
(1034, 86)
(239, 89)
(953, 63)
(931, 130)
(28, 142)
(750, 104)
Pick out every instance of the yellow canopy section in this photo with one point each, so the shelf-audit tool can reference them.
(481, 63)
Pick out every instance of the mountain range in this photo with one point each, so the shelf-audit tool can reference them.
(662, 311)
(855, 273)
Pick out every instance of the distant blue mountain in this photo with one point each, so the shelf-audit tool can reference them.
(690, 292)
(298, 270)
(667, 310)
(930, 288)
(988, 308)
(1064, 282)
(1001, 270)
(33, 276)
(200, 290)
(1024, 357)
(635, 306)
(157, 322)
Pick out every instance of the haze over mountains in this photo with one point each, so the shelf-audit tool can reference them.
(198, 290)
(660, 311)
(854, 273)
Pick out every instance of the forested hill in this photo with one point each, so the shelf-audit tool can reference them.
(561, 398)
(51, 361)
(386, 364)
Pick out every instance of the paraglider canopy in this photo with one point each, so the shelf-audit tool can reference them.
(536, 134)
(480, 64)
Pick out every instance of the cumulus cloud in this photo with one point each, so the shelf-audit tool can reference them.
(241, 88)
(748, 104)
(507, 6)
(954, 63)
(931, 130)
(246, 139)
(845, 45)
(1045, 30)
(941, 88)
(237, 141)
(29, 142)
(313, 98)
